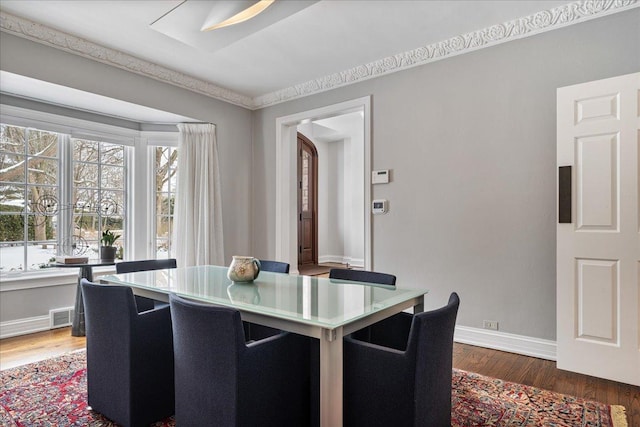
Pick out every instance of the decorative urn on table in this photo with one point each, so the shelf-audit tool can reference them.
(243, 269)
(107, 250)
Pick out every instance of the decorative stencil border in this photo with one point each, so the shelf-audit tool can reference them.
(539, 22)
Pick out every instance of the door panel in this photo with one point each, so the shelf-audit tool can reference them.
(598, 300)
(597, 184)
(307, 201)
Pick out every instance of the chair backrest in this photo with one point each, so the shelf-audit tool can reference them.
(362, 276)
(145, 265)
(274, 266)
(129, 356)
(108, 308)
(207, 344)
(431, 346)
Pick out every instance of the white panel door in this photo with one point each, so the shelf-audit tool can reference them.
(598, 252)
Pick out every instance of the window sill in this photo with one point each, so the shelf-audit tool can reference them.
(46, 278)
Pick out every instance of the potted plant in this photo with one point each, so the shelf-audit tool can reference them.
(107, 250)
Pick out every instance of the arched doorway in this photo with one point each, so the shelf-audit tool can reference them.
(307, 201)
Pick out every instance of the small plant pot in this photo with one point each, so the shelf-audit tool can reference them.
(108, 253)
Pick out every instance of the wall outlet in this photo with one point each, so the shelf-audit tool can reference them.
(490, 324)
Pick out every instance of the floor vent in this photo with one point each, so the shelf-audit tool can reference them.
(61, 317)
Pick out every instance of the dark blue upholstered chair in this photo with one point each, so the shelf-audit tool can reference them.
(274, 266)
(365, 334)
(129, 356)
(362, 276)
(386, 386)
(143, 303)
(145, 265)
(385, 329)
(222, 381)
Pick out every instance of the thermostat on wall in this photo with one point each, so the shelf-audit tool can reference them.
(380, 177)
(379, 206)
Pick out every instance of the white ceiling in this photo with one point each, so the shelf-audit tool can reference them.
(315, 40)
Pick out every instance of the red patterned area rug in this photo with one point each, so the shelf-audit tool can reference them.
(54, 393)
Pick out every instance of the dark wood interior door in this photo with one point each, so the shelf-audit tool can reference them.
(307, 201)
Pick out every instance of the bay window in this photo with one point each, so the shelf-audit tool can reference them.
(64, 181)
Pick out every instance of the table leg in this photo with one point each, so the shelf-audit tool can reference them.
(331, 378)
(419, 307)
(78, 327)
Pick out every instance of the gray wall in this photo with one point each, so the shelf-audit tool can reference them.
(233, 124)
(233, 127)
(471, 142)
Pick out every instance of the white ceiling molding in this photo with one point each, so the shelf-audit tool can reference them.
(543, 21)
(33, 31)
(546, 20)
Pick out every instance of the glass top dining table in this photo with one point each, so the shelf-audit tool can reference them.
(322, 308)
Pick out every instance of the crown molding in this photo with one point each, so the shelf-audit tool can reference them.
(546, 20)
(60, 40)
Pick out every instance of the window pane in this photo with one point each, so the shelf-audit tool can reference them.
(85, 151)
(112, 154)
(12, 167)
(11, 198)
(12, 139)
(86, 225)
(85, 175)
(112, 177)
(11, 228)
(43, 200)
(39, 255)
(164, 226)
(12, 256)
(42, 171)
(42, 144)
(162, 249)
(166, 160)
(165, 203)
(114, 224)
(112, 203)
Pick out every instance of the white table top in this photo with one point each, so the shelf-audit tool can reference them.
(315, 301)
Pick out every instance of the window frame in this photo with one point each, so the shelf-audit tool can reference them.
(139, 145)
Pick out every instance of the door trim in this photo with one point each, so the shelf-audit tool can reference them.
(286, 169)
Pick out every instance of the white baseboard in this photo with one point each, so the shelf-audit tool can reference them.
(25, 326)
(341, 259)
(337, 259)
(519, 344)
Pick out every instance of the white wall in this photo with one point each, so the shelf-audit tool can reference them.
(471, 142)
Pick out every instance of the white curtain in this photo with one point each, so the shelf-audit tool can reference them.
(198, 208)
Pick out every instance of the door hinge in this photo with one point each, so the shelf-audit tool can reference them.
(300, 217)
(300, 249)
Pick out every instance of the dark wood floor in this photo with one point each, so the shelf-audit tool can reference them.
(498, 364)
